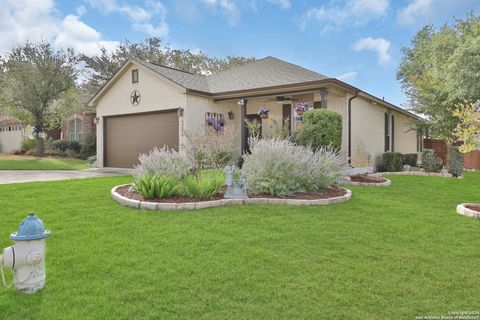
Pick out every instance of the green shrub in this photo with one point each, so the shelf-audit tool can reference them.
(392, 161)
(162, 162)
(89, 146)
(320, 128)
(28, 144)
(430, 161)
(281, 168)
(455, 161)
(410, 159)
(211, 151)
(66, 145)
(156, 187)
(205, 185)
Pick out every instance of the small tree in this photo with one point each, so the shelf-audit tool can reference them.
(38, 85)
(468, 126)
(321, 128)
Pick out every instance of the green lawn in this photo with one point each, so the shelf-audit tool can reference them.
(390, 253)
(34, 163)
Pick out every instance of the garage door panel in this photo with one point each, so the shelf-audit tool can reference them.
(129, 136)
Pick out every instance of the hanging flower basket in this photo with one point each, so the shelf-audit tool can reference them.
(263, 113)
(300, 108)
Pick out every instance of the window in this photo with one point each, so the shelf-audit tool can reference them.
(419, 141)
(135, 76)
(387, 133)
(75, 130)
(393, 133)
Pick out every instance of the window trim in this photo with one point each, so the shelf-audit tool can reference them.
(135, 76)
(387, 132)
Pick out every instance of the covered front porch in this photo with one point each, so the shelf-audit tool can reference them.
(281, 110)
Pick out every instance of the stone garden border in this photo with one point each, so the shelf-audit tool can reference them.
(413, 173)
(461, 209)
(371, 184)
(169, 206)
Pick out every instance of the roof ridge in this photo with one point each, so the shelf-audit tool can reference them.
(168, 67)
(298, 66)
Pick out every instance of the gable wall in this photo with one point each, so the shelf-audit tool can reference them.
(156, 94)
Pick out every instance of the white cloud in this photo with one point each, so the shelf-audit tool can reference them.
(416, 9)
(338, 14)
(228, 7)
(34, 20)
(283, 4)
(347, 76)
(150, 19)
(420, 12)
(380, 45)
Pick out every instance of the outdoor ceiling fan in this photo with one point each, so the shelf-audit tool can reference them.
(283, 99)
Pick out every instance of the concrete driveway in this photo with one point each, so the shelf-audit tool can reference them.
(20, 176)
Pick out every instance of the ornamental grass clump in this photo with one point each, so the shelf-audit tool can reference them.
(204, 185)
(281, 168)
(157, 187)
(162, 162)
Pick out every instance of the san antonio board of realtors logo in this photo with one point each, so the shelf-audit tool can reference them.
(135, 98)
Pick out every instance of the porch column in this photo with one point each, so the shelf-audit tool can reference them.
(324, 97)
(243, 129)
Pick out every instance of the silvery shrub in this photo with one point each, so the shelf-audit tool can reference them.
(280, 167)
(162, 161)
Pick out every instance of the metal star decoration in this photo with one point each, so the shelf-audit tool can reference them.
(135, 98)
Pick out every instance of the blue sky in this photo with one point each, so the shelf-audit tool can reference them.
(358, 41)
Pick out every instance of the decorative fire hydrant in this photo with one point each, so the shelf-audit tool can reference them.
(27, 256)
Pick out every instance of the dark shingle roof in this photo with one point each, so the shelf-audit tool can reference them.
(263, 73)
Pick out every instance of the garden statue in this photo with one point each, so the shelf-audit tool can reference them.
(236, 188)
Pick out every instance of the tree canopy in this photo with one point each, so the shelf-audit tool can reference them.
(105, 65)
(440, 70)
(38, 85)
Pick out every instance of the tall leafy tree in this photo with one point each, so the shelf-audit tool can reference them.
(102, 67)
(38, 86)
(440, 70)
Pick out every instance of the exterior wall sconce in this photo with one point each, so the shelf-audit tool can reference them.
(180, 112)
(230, 115)
(241, 102)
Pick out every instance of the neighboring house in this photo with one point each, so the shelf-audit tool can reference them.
(78, 125)
(12, 133)
(146, 105)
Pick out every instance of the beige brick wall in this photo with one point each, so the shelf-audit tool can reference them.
(156, 94)
(368, 125)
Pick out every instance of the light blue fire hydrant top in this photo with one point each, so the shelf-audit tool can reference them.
(32, 228)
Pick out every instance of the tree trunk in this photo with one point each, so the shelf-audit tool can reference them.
(40, 144)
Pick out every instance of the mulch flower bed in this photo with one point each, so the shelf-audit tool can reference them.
(330, 193)
(366, 179)
(128, 193)
(474, 207)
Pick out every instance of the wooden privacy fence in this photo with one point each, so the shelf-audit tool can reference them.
(440, 147)
(472, 159)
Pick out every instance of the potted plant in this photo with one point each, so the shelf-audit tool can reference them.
(263, 113)
(300, 108)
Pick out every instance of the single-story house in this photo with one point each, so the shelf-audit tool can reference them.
(146, 105)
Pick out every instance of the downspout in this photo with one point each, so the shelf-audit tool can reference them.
(350, 127)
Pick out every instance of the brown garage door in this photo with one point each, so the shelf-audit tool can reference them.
(126, 137)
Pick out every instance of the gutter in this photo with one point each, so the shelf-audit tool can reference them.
(350, 127)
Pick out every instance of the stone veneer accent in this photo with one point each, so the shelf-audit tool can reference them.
(157, 206)
(461, 209)
(374, 184)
